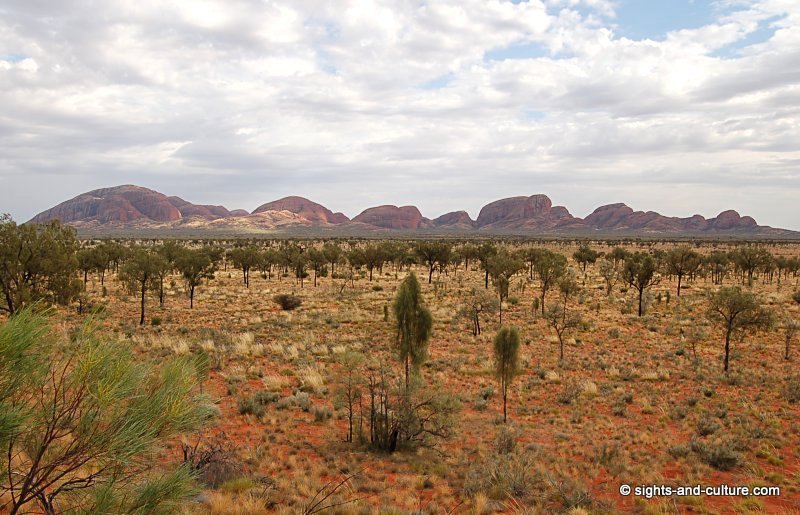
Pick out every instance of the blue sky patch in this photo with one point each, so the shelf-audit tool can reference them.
(522, 50)
(14, 58)
(438, 82)
(766, 29)
(532, 115)
(647, 19)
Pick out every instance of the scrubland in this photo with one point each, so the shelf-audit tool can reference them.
(635, 400)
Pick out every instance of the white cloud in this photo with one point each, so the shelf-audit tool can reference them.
(376, 101)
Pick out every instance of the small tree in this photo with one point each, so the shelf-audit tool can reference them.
(195, 266)
(245, 258)
(717, 263)
(618, 255)
(748, 260)
(561, 320)
(37, 262)
(413, 324)
(433, 254)
(639, 271)
(477, 303)
(736, 311)
(549, 267)
(609, 274)
(140, 274)
(484, 254)
(502, 267)
(374, 257)
(349, 393)
(506, 360)
(81, 423)
(85, 263)
(568, 287)
(682, 261)
(333, 254)
(585, 255)
(318, 263)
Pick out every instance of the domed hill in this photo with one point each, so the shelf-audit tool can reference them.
(307, 209)
(622, 217)
(393, 217)
(455, 219)
(127, 203)
(534, 212)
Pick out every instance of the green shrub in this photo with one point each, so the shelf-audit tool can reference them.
(792, 390)
(250, 406)
(679, 451)
(322, 413)
(569, 393)
(707, 426)
(720, 455)
(506, 440)
(287, 302)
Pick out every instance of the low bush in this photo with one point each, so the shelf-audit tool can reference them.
(287, 302)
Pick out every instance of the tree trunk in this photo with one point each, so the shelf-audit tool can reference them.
(191, 297)
(505, 397)
(141, 318)
(680, 277)
(407, 357)
(727, 348)
(641, 292)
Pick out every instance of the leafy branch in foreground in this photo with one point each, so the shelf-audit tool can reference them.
(81, 422)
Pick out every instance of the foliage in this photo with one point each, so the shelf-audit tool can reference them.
(550, 267)
(506, 360)
(609, 274)
(680, 262)
(141, 273)
(561, 320)
(195, 266)
(37, 262)
(502, 266)
(287, 302)
(433, 254)
(585, 255)
(639, 271)
(476, 303)
(81, 422)
(736, 311)
(413, 324)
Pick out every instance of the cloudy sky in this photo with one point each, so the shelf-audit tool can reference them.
(678, 106)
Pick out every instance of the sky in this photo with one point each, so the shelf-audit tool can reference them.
(680, 106)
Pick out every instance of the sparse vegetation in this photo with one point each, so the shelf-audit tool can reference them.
(404, 379)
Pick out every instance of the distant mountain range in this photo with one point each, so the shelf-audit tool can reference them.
(128, 209)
